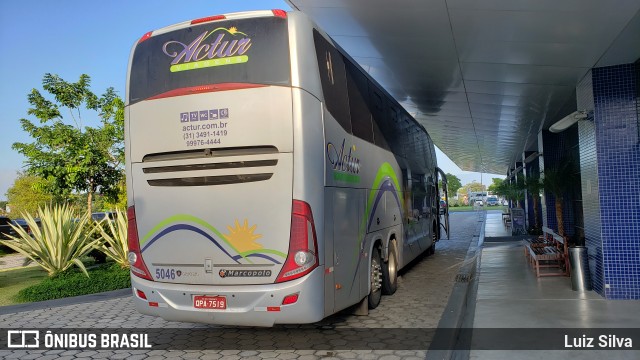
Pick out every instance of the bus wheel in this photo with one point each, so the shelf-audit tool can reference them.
(435, 235)
(390, 272)
(376, 279)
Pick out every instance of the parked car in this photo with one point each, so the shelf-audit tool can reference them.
(443, 206)
(478, 203)
(99, 216)
(6, 230)
(492, 201)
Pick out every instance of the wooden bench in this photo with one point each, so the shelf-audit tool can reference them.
(549, 251)
(506, 217)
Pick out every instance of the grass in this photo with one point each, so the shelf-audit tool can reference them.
(14, 280)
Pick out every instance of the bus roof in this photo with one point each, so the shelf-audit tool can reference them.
(229, 16)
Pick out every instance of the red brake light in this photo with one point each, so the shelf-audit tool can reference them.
(279, 13)
(207, 19)
(141, 294)
(290, 299)
(138, 266)
(145, 37)
(303, 245)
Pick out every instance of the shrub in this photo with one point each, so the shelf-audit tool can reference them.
(58, 243)
(73, 282)
(114, 238)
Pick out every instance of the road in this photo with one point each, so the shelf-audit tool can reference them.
(414, 311)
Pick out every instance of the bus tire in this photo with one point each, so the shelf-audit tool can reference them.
(375, 294)
(390, 271)
(435, 235)
(432, 249)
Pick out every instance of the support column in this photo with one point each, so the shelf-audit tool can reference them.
(614, 177)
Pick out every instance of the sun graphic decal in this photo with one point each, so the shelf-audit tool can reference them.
(233, 30)
(242, 237)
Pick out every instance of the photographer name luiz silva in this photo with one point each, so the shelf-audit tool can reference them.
(601, 342)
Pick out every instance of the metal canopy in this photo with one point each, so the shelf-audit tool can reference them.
(482, 76)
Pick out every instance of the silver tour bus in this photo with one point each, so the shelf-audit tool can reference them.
(270, 180)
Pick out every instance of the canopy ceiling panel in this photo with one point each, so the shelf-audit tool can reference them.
(482, 76)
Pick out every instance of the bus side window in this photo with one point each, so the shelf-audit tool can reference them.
(418, 192)
(358, 92)
(381, 125)
(333, 79)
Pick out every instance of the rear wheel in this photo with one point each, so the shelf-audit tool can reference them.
(435, 235)
(390, 272)
(375, 294)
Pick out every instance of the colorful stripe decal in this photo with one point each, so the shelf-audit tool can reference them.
(385, 187)
(201, 227)
(385, 180)
(177, 227)
(385, 174)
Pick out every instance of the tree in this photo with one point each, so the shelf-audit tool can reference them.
(453, 184)
(27, 195)
(495, 184)
(120, 200)
(70, 157)
(533, 185)
(512, 191)
(559, 180)
(472, 186)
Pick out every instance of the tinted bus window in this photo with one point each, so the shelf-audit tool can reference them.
(358, 107)
(333, 78)
(382, 128)
(236, 51)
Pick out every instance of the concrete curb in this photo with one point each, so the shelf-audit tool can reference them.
(11, 309)
(460, 308)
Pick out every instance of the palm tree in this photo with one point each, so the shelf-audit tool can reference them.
(533, 185)
(511, 191)
(559, 180)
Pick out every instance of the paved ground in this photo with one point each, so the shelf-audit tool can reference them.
(422, 295)
(13, 261)
(537, 313)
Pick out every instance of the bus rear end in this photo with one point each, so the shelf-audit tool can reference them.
(215, 235)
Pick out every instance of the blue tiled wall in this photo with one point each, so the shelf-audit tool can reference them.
(615, 93)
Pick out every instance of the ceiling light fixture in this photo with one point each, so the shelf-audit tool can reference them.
(564, 123)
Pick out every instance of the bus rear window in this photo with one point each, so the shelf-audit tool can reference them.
(254, 51)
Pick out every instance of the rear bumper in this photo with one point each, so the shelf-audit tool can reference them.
(247, 305)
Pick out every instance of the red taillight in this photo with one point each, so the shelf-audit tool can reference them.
(279, 13)
(303, 245)
(138, 266)
(207, 19)
(145, 37)
(141, 294)
(290, 299)
(205, 89)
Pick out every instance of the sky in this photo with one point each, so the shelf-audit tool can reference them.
(73, 37)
